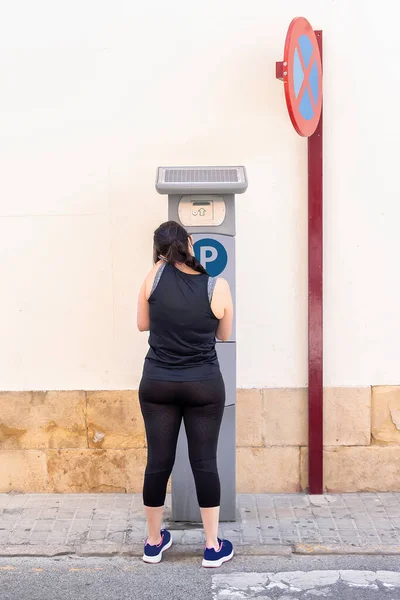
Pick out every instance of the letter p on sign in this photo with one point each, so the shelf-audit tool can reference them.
(207, 254)
(212, 256)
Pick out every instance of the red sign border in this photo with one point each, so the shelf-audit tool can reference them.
(300, 26)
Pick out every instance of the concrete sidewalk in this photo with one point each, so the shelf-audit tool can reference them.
(268, 524)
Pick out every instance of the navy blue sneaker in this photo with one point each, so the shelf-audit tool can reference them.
(153, 554)
(216, 558)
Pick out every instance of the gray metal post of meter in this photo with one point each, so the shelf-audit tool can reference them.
(202, 199)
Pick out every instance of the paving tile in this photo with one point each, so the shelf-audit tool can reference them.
(177, 536)
(194, 536)
(39, 536)
(117, 537)
(136, 537)
(96, 535)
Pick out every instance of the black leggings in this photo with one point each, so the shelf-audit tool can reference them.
(201, 405)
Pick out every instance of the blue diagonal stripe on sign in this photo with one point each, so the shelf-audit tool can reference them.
(298, 75)
(306, 49)
(314, 81)
(306, 109)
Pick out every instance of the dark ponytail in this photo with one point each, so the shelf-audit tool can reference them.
(194, 264)
(171, 243)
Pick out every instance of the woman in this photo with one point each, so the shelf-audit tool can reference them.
(185, 310)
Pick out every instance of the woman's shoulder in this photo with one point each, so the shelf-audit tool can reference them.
(220, 283)
(151, 276)
(155, 268)
(218, 289)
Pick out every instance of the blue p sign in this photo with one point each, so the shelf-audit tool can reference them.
(212, 256)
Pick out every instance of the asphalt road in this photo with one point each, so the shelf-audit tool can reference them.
(72, 578)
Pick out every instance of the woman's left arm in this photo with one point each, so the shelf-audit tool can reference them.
(143, 309)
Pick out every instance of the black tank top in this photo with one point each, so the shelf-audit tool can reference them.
(182, 328)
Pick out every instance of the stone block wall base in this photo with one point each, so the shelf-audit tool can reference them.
(83, 441)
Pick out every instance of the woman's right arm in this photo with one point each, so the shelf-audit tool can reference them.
(222, 307)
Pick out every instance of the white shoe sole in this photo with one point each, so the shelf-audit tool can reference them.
(217, 563)
(156, 559)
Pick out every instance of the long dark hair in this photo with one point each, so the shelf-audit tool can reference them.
(171, 241)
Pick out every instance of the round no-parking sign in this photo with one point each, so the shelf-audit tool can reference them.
(302, 76)
(212, 255)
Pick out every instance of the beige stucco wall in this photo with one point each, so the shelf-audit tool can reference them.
(95, 441)
(96, 95)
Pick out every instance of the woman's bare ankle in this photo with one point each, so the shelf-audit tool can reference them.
(154, 541)
(212, 544)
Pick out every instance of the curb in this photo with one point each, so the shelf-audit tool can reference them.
(345, 549)
(109, 550)
(180, 550)
(136, 550)
(35, 550)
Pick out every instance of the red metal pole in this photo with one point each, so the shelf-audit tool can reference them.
(315, 305)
